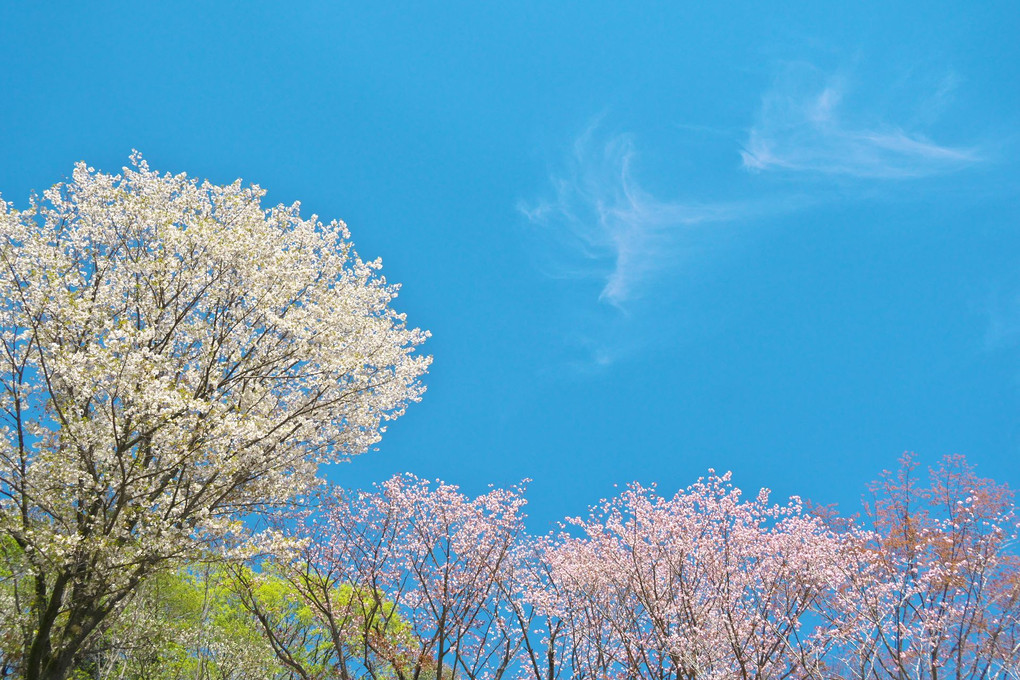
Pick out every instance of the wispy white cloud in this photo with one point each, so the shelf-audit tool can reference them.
(609, 226)
(600, 222)
(806, 123)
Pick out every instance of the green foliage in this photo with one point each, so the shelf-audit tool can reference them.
(230, 622)
(320, 628)
(188, 624)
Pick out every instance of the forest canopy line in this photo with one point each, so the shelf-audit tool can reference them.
(177, 363)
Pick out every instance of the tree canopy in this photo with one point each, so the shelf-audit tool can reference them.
(175, 357)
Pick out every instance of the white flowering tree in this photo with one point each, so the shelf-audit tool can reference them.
(174, 358)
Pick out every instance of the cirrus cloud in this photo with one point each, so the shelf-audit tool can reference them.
(608, 226)
(806, 124)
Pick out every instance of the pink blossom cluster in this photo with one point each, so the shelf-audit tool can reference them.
(706, 583)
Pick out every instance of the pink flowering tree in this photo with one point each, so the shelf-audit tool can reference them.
(423, 568)
(705, 584)
(934, 591)
(416, 580)
(552, 645)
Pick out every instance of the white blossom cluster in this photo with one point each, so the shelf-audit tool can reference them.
(175, 356)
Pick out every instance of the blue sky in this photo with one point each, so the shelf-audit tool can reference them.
(648, 238)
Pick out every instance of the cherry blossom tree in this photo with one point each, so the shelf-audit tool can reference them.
(934, 590)
(548, 645)
(704, 584)
(413, 580)
(174, 357)
(409, 579)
